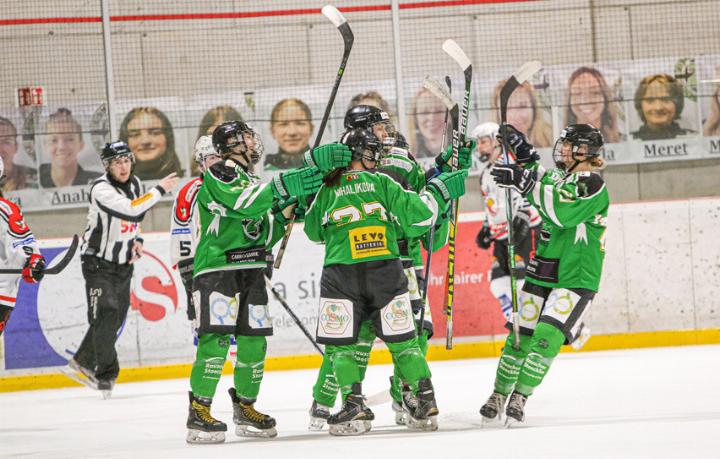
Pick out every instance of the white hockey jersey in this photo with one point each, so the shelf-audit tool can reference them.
(17, 243)
(185, 223)
(494, 198)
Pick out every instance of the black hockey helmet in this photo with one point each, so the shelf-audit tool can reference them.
(365, 146)
(115, 150)
(230, 135)
(582, 140)
(364, 116)
(401, 142)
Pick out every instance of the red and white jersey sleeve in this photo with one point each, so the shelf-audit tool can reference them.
(17, 243)
(185, 223)
(494, 198)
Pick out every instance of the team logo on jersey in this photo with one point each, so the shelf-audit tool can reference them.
(351, 177)
(368, 241)
(223, 309)
(218, 212)
(335, 317)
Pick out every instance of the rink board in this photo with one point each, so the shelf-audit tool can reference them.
(659, 288)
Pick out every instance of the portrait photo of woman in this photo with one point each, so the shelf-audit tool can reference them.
(426, 124)
(291, 126)
(659, 102)
(524, 113)
(210, 120)
(62, 143)
(589, 100)
(149, 134)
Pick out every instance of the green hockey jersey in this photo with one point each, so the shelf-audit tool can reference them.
(402, 167)
(359, 220)
(571, 249)
(237, 228)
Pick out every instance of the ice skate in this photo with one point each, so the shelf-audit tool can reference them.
(354, 418)
(80, 374)
(492, 409)
(581, 338)
(248, 421)
(105, 387)
(399, 413)
(515, 411)
(318, 416)
(202, 427)
(421, 409)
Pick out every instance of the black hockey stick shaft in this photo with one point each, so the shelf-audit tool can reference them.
(294, 317)
(431, 236)
(462, 60)
(519, 77)
(348, 39)
(59, 266)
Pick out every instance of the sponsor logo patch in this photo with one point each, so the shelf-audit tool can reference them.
(369, 241)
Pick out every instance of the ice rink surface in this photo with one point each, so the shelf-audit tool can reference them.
(649, 403)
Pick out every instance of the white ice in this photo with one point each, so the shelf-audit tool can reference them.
(651, 403)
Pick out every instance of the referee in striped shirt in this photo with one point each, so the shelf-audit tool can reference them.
(111, 244)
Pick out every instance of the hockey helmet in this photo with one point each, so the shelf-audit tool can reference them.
(365, 146)
(203, 149)
(488, 129)
(237, 137)
(115, 150)
(583, 140)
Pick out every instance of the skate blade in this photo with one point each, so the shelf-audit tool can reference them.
(106, 394)
(510, 422)
(316, 424)
(242, 430)
(199, 437)
(70, 373)
(426, 425)
(348, 429)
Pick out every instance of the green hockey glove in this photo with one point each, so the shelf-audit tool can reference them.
(328, 157)
(280, 206)
(444, 160)
(299, 182)
(448, 185)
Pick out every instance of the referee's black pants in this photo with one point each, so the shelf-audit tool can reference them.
(107, 286)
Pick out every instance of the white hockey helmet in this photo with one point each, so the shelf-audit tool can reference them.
(488, 129)
(203, 149)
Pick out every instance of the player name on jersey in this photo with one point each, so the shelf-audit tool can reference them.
(355, 188)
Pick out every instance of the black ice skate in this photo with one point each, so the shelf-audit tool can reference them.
(202, 427)
(354, 417)
(492, 409)
(248, 421)
(80, 374)
(105, 387)
(515, 411)
(421, 408)
(318, 416)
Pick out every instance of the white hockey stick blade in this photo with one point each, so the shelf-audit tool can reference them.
(334, 15)
(440, 91)
(455, 51)
(527, 70)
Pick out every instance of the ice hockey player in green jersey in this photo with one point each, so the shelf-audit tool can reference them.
(398, 163)
(357, 214)
(563, 278)
(238, 230)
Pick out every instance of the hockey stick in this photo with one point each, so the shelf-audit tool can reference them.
(519, 77)
(340, 22)
(59, 266)
(450, 106)
(459, 56)
(295, 318)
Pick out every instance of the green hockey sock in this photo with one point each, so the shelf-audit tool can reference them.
(250, 365)
(511, 360)
(212, 350)
(326, 387)
(345, 367)
(363, 346)
(410, 361)
(396, 381)
(544, 347)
